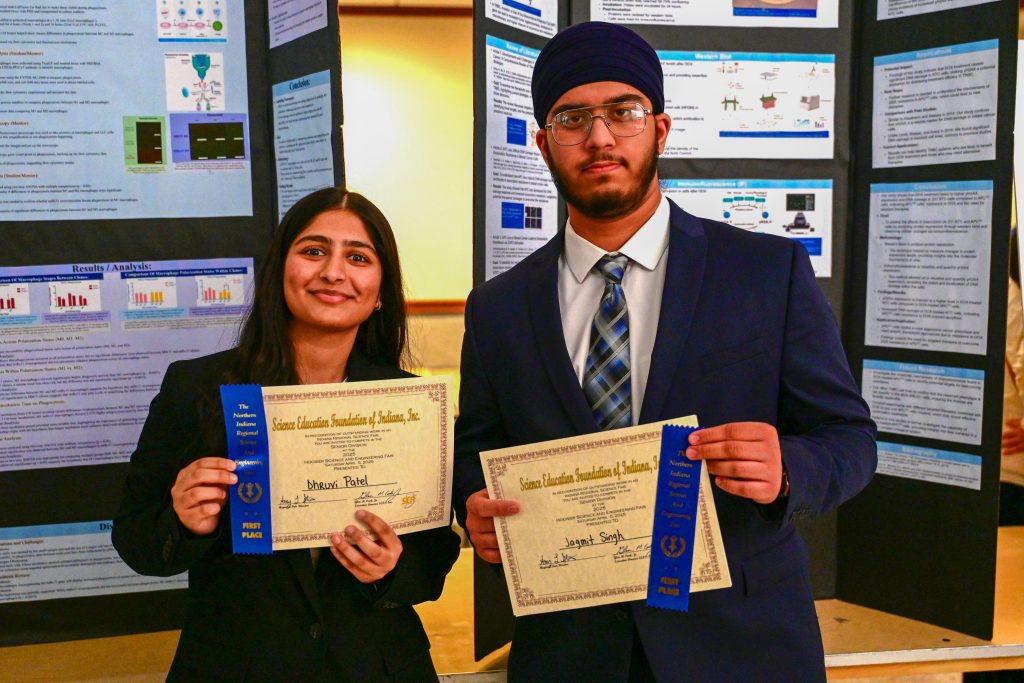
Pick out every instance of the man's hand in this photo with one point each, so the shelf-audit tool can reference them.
(368, 560)
(200, 491)
(743, 457)
(480, 514)
(1013, 437)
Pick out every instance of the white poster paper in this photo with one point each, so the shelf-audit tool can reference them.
(929, 464)
(302, 138)
(85, 347)
(535, 16)
(798, 209)
(936, 106)
(291, 19)
(54, 561)
(928, 266)
(788, 13)
(522, 203)
(925, 400)
(115, 113)
(893, 9)
(750, 105)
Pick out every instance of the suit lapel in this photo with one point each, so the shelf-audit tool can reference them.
(684, 273)
(301, 563)
(546, 319)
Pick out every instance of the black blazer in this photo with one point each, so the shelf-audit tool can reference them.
(269, 617)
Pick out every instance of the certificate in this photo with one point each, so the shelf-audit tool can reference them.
(309, 456)
(583, 534)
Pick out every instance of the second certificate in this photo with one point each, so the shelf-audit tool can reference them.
(583, 535)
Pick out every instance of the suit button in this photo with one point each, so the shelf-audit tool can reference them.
(315, 631)
(621, 615)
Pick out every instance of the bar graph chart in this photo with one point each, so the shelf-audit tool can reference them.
(154, 292)
(14, 300)
(75, 296)
(220, 290)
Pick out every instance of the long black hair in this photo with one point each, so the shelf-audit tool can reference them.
(264, 352)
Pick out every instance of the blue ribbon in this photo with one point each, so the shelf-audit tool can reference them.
(246, 426)
(675, 520)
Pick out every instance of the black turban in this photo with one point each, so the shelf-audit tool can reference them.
(595, 51)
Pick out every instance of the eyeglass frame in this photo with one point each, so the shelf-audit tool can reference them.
(604, 118)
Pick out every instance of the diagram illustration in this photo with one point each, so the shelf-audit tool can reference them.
(191, 20)
(746, 209)
(195, 81)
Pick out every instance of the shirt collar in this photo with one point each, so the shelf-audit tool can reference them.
(645, 247)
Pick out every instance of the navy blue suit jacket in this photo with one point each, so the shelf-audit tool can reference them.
(744, 334)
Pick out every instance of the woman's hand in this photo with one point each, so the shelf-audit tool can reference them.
(366, 559)
(200, 491)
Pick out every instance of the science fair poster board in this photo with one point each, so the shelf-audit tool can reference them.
(138, 190)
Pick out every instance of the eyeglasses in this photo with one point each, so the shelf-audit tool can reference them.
(624, 120)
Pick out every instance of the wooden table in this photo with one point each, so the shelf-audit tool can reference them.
(859, 642)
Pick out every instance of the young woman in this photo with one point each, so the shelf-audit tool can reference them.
(329, 307)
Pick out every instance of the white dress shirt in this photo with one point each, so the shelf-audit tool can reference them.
(580, 288)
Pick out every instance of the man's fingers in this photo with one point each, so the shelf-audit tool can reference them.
(733, 431)
(489, 555)
(486, 507)
(484, 539)
(738, 469)
(730, 450)
(479, 525)
(759, 492)
(481, 504)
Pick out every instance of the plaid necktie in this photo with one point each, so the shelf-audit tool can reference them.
(606, 375)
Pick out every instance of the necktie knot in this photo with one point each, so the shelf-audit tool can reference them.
(613, 267)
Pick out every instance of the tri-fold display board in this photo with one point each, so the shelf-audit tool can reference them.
(877, 134)
(145, 157)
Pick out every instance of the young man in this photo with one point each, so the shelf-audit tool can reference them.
(639, 312)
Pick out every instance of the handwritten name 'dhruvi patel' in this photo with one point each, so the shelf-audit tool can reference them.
(595, 473)
(333, 421)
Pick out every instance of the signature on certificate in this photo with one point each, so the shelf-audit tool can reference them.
(560, 559)
(626, 553)
(287, 503)
(380, 497)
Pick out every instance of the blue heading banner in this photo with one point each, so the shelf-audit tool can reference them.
(675, 522)
(246, 425)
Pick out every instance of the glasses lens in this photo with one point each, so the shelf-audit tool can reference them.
(572, 127)
(624, 119)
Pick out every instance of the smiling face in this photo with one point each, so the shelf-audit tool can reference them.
(332, 275)
(605, 176)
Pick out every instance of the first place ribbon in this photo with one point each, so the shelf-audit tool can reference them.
(246, 426)
(675, 521)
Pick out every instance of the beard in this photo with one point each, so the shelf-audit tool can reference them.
(607, 202)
